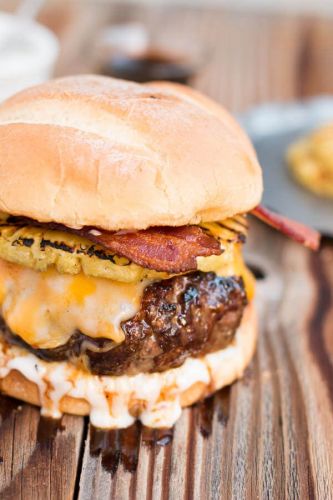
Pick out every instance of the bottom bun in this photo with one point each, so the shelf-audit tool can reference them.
(116, 402)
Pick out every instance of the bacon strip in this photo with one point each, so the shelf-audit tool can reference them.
(295, 230)
(170, 249)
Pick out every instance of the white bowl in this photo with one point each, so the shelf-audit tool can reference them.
(28, 52)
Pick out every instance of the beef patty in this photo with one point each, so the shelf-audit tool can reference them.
(189, 315)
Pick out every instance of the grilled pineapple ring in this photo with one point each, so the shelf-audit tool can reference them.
(40, 249)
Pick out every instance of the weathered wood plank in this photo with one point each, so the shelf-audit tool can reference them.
(269, 435)
(39, 458)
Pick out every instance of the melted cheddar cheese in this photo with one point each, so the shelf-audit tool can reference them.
(45, 308)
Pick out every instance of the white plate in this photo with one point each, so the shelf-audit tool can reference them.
(272, 128)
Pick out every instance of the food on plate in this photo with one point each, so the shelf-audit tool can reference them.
(310, 161)
(123, 291)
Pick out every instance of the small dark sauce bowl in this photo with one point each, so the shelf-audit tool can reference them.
(148, 66)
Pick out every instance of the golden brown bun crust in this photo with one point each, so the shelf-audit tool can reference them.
(19, 387)
(92, 150)
(221, 374)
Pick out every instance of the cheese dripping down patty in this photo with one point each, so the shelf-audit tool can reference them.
(45, 308)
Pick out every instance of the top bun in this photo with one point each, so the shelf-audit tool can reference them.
(93, 150)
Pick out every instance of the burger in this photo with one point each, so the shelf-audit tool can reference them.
(123, 290)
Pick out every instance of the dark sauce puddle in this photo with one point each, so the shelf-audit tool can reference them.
(222, 399)
(205, 415)
(106, 444)
(9, 407)
(156, 437)
(122, 446)
(205, 410)
(47, 431)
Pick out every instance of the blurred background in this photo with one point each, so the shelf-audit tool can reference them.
(269, 62)
(239, 52)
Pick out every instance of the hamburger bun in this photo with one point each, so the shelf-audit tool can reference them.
(88, 150)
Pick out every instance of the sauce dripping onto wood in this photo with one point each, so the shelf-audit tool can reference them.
(47, 430)
(217, 404)
(159, 437)
(9, 407)
(121, 446)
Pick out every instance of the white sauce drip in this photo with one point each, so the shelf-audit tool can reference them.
(109, 397)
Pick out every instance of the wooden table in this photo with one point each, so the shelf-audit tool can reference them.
(271, 434)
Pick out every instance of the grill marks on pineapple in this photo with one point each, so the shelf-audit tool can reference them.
(88, 249)
(92, 250)
(40, 248)
(231, 230)
(57, 245)
(27, 242)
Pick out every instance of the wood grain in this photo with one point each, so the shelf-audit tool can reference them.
(269, 435)
(39, 458)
